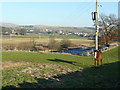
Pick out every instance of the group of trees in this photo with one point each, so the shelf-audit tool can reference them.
(108, 29)
(55, 45)
(28, 46)
(33, 46)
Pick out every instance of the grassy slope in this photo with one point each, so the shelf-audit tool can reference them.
(106, 76)
(44, 58)
(109, 56)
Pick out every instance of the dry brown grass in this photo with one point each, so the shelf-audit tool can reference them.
(16, 40)
(9, 64)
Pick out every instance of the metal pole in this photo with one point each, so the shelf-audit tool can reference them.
(97, 27)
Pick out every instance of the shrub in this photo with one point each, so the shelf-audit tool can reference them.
(26, 46)
(65, 43)
(7, 46)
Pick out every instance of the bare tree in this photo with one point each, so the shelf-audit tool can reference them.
(52, 42)
(108, 28)
(65, 43)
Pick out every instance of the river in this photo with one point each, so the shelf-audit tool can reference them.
(82, 51)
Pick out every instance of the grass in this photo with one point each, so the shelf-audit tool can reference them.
(59, 70)
(44, 39)
(43, 57)
(47, 36)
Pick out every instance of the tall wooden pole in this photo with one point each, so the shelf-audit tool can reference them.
(97, 27)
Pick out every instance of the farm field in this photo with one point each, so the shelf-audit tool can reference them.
(50, 70)
(44, 39)
(47, 36)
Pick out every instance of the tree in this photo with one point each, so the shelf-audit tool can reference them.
(33, 45)
(52, 42)
(55, 45)
(65, 43)
(6, 30)
(30, 45)
(108, 29)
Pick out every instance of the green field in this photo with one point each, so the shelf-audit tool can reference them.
(49, 70)
(47, 36)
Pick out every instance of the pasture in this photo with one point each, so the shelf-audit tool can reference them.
(50, 70)
(44, 39)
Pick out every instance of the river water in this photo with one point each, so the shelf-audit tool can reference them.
(82, 51)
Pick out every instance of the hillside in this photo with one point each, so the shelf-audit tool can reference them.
(8, 25)
(68, 29)
(55, 28)
(31, 70)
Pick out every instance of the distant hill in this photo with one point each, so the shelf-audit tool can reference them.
(2, 24)
(68, 29)
(56, 28)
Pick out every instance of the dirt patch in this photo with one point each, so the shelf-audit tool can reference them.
(8, 64)
(46, 71)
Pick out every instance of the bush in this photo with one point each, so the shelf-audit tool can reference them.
(51, 44)
(65, 43)
(55, 45)
(26, 46)
(7, 46)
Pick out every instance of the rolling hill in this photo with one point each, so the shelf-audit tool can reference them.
(54, 28)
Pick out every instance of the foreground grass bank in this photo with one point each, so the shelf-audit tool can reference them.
(58, 70)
